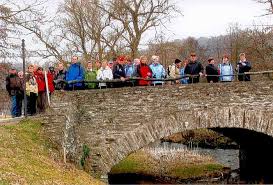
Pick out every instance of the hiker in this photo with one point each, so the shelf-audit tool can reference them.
(104, 73)
(130, 72)
(243, 67)
(14, 86)
(174, 70)
(50, 80)
(144, 71)
(157, 70)
(41, 99)
(119, 71)
(31, 91)
(60, 77)
(225, 70)
(212, 71)
(90, 74)
(194, 68)
(75, 72)
(184, 80)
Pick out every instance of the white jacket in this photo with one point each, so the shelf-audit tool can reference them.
(104, 74)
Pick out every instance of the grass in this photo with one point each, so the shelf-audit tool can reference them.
(26, 158)
(190, 165)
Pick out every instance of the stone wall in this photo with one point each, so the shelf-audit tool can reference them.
(116, 122)
(4, 104)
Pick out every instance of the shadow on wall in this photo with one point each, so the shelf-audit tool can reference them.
(255, 156)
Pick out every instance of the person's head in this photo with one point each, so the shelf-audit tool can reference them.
(104, 64)
(177, 63)
(111, 64)
(40, 70)
(155, 59)
(98, 64)
(35, 67)
(129, 61)
(21, 74)
(242, 56)
(30, 68)
(211, 60)
(143, 60)
(51, 69)
(89, 65)
(185, 62)
(193, 57)
(136, 61)
(225, 59)
(12, 71)
(60, 66)
(121, 60)
(74, 59)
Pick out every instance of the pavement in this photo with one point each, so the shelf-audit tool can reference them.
(10, 121)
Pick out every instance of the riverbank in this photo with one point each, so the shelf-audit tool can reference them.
(203, 138)
(157, 166)
(27, 158)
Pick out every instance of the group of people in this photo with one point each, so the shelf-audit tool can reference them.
(123, 69)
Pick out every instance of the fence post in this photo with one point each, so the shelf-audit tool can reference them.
(24, 77)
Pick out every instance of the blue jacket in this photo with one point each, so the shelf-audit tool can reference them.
(158, 72)
(130, 70)
(182, 73)
(75, 72)
(225, 69)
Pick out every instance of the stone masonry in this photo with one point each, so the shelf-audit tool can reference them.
(116, 122)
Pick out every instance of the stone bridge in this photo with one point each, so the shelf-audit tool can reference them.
(116, 122)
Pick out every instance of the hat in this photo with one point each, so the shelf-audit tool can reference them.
(210, 59)
(121, 58)
(177, 61)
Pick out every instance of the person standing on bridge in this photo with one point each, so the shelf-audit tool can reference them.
(144, 71)
(243, 67)
(60, 77)
(157, 70)
(90, 74)
(119, 71)
(174, 70)
(212, 71)
(75, 72)
(225, 70)
(194, 68)
(104, 73)
(31, 91)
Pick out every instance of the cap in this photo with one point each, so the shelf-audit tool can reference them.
(210, 59)
(177, 61)
(121, 58)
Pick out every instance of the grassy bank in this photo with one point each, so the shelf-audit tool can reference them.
(204, 138)
(26, 158)
(190, 167)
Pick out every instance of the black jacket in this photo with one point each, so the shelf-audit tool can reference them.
(193, 68)
(212, 70)
(14, 85)
(118, 71)
(243, 69)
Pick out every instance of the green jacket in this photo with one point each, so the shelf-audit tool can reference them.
(90, 75)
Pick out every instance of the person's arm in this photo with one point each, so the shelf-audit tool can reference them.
(110, 75)
(246, 66)
(81, 74)
(163, 72)
(8, 85)
(201, 68)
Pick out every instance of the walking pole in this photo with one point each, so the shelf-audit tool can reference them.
(47, 89)
(24, 77)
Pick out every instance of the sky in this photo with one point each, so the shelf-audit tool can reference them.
(201, 18)
(206, 18)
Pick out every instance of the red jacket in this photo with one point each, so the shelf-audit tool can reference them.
(50, 78)
(40, 79)
(144, 71)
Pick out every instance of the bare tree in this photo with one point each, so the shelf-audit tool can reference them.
(138, 16)
(269, 3)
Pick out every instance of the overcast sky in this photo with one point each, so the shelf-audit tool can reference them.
(205, 18)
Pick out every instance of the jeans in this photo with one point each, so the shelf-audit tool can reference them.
(31, 104)
(13, 106)
(19, 99)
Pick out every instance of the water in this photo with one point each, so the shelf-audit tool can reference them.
(228, 157)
